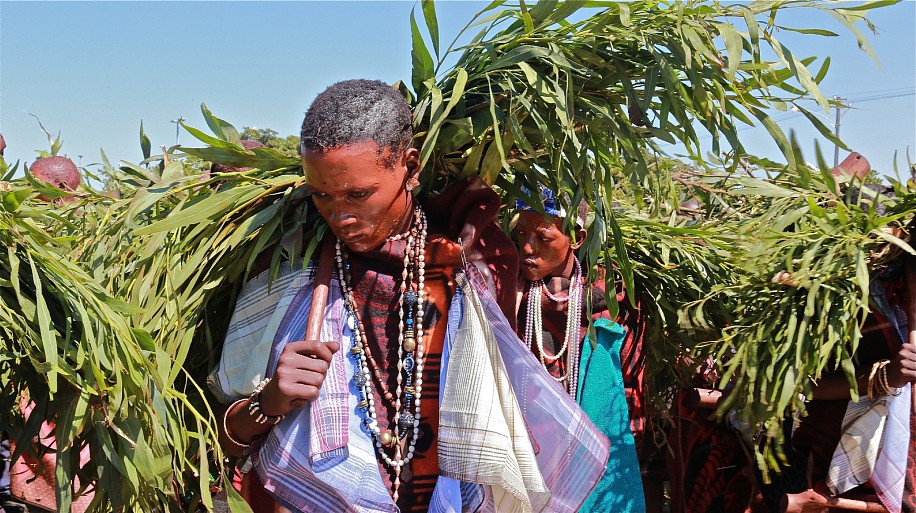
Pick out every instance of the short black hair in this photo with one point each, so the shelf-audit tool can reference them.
(358, 110)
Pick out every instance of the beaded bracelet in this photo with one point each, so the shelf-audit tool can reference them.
(886, 387)
(873, 393)
(254, 406)
(878, 383)
(243, 446)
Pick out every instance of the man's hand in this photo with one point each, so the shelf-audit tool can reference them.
(902, 369)
(300, 373)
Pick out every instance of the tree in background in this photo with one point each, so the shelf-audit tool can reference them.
(288, 145)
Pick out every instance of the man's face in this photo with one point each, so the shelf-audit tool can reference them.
(543, 247)
(363, 200)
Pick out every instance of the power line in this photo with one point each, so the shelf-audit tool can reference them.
(849, 105)
(882, 97)
(875, 95)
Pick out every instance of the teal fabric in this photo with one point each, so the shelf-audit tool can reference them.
(600, 393)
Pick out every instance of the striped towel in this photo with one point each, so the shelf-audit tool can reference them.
(521, 445)
(876, 434)
(873, 446)
(259, 309)
(571, 452)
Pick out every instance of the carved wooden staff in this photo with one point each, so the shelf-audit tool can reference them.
(910, 270)
(320, 294)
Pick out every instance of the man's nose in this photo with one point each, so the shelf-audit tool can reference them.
(341, 217)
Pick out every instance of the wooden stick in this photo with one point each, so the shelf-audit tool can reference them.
(320, 294)
(910, 274)
(856, 505)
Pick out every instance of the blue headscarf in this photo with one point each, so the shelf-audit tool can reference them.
(551, 207)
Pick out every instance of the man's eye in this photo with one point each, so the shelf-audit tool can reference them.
(359, 194)
(544, 239)
(319, 195)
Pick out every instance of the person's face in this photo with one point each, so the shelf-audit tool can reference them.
(363, 200)
(545, 250)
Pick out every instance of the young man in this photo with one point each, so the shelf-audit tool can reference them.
(607, 381)
(409, 400)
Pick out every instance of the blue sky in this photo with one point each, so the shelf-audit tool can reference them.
(94, 70)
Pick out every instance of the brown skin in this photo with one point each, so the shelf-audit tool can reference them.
(364, 201)
(545, 250)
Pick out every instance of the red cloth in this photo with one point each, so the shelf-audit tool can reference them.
(707, 467)
(467, 210)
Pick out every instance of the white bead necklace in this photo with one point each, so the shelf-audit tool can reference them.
(410, 353)
(534, 326)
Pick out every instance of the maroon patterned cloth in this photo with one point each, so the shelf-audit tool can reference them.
(467, 210)
(707, 466)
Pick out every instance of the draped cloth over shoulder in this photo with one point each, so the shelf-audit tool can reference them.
(601, 394)
(538, 451)
(569, 452)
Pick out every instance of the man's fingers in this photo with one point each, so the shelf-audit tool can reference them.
(299, 393)
(315, 348)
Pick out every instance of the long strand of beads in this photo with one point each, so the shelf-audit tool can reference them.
(421, 299)
(409, 362)
(539, 333)
(574, 313)
(534, 326)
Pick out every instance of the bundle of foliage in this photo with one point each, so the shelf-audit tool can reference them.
(804, 253)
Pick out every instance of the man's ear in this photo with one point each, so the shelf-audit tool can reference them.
(411, 159)
(580, 235)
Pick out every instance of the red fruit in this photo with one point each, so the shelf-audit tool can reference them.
(57, 171)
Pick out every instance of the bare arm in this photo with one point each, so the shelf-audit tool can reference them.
(900, 371)
(301, 370)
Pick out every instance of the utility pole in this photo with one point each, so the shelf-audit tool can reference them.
(177, 126)
(836, 130)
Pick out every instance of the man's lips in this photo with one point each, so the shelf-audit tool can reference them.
(351, 237)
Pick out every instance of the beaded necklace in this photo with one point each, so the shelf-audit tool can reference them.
(410, 355)
(534, 326)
